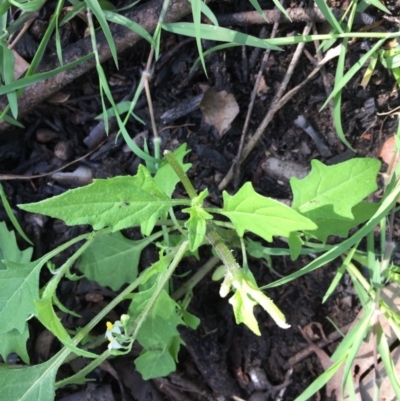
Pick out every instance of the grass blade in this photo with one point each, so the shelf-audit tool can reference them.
(11, 216)
(378, 5)
(338, 250)
(327, 13)
(132, 25)
(384, 352)
(196, 13)
(24, 82)
(353, 70)
(219, 34)
(319, 382)
(8, 76)
(258, 8)
(95, 8)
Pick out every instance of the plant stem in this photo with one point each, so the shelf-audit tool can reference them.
(196, 278)
(181, 174)
(162, 281)
(222, 250)
(79, 377)
(59, 274)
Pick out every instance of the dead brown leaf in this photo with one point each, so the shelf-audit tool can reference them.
(386, 152)
(363, 371)
(262, 87)
(334, 385)
(219, 109)
(58, 97)
(20, 65)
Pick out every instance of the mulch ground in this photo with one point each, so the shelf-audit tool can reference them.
(221, 359)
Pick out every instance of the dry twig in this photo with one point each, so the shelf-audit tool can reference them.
(268, 118)
(236, 163)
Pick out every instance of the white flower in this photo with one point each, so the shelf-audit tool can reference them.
(113, 329)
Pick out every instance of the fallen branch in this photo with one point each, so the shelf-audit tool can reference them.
(297, 14)
(146, 15)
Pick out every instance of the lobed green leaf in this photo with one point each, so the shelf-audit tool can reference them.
(331, 192)
(30, 383)
(14, 341)
(117, 203)
(20, 288)
(263, 216)
(112, 260)
(9, 248)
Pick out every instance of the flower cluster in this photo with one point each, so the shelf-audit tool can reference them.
(115, 333)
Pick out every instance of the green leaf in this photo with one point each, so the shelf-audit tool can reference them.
(332, 191)
(50, 320)
(20, 288)
(157, 333)
(30, 383)
(14, 341)
(155, 363)
(190, 320)
(335, 251)
(112, 260)
(243, 309)
(337, 99)
(9, 248)
(160, 325)
(263, 216)
(387, 359)
(196, 224)
(330, 225)
(118, 203)
(295, 243)
(165, 177)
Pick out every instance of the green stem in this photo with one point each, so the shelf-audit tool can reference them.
(181, 174)
(222, 250)
(162, 281)
(86, 330)
(176, 222)
(59, 274)
(196, 278)
(85, 371)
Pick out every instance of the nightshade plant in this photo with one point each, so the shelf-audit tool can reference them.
(329, 201)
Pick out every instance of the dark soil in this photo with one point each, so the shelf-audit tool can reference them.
(221, 359)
